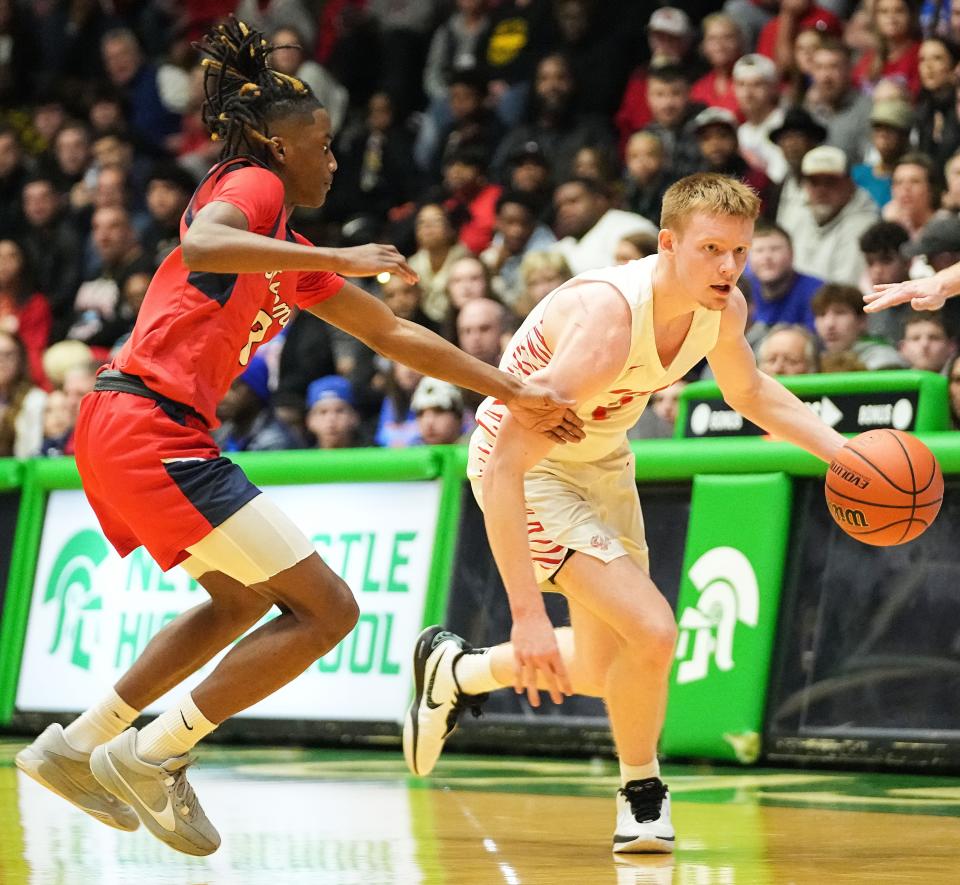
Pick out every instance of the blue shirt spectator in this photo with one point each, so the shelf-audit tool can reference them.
(149, 117)
(249, 424)
(781, 294)
(878, 186)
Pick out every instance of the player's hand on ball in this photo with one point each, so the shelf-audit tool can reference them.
(535, 651)
(884, 487)
(925, 294)
(541, 410)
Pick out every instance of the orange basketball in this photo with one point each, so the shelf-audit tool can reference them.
(884, 487)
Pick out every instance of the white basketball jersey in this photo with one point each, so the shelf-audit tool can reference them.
(608, 416)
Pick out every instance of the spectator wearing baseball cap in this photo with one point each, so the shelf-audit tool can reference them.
(939, 244)
(670, 40)
(890, 123)
(716, 131)
(825, 236)
(776, 38)
(756, 84)
(670, 34)
(332, 416)
(795, 136)
(248, 423)
(438, 406)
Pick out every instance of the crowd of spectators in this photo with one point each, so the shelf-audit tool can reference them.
(504, 146)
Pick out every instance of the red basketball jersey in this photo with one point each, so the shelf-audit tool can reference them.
(196, 331)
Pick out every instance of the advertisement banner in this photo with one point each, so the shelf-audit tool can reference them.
(92, 613)
(845, 412)
(727, 615)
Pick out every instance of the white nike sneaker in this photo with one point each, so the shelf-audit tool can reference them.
(160, 794)
(54, 764)
(643, 818)
(437, 701)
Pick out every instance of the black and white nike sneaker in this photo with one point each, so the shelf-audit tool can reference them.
(643, 818)
(438, 701)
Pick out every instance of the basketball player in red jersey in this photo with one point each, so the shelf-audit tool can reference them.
(155, 478)
(570, 519)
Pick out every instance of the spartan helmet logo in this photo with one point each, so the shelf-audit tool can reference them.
(728, 595)
(70, 586)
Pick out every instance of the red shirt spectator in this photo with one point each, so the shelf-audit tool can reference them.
(904, 66)
(706, 91)
(477, 232)
(22, 312)
(721, 46)
(669, 34)
(634, 112)
(818, 19)
(31, 320)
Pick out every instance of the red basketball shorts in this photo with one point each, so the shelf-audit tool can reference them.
(153, 475)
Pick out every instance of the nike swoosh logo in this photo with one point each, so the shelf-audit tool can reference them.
(184, 718)
(165, 817)
(431, 704)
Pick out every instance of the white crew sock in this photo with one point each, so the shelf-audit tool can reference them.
(174, 732)
(101, 723)
(474, 673)
(638, 772)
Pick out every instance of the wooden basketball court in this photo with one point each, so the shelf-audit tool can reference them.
(292, 817)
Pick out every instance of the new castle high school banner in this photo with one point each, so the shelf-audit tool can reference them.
(92, 614)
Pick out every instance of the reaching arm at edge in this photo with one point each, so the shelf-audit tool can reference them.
(590, 324)
(760, 398)
(928, 293)
(365, 317)
(218, 241)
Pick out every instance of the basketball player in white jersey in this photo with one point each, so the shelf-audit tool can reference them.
(569, 518)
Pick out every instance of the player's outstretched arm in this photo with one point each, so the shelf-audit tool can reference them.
(535, 406)
(218, 241)
(590, 340)
(927, 294)
(760, 398)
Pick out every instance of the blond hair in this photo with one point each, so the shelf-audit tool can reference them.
(721, 18)
(709, 193)
(540, 260)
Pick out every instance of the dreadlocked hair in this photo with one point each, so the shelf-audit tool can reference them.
(243, 95)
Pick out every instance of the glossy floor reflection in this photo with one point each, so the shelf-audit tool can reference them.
(289, 817)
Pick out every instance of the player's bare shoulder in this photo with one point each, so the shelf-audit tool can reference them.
(593, 306)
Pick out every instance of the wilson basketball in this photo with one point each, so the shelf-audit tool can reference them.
(884, 488)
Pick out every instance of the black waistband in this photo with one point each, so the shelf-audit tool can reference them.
(121, 382)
